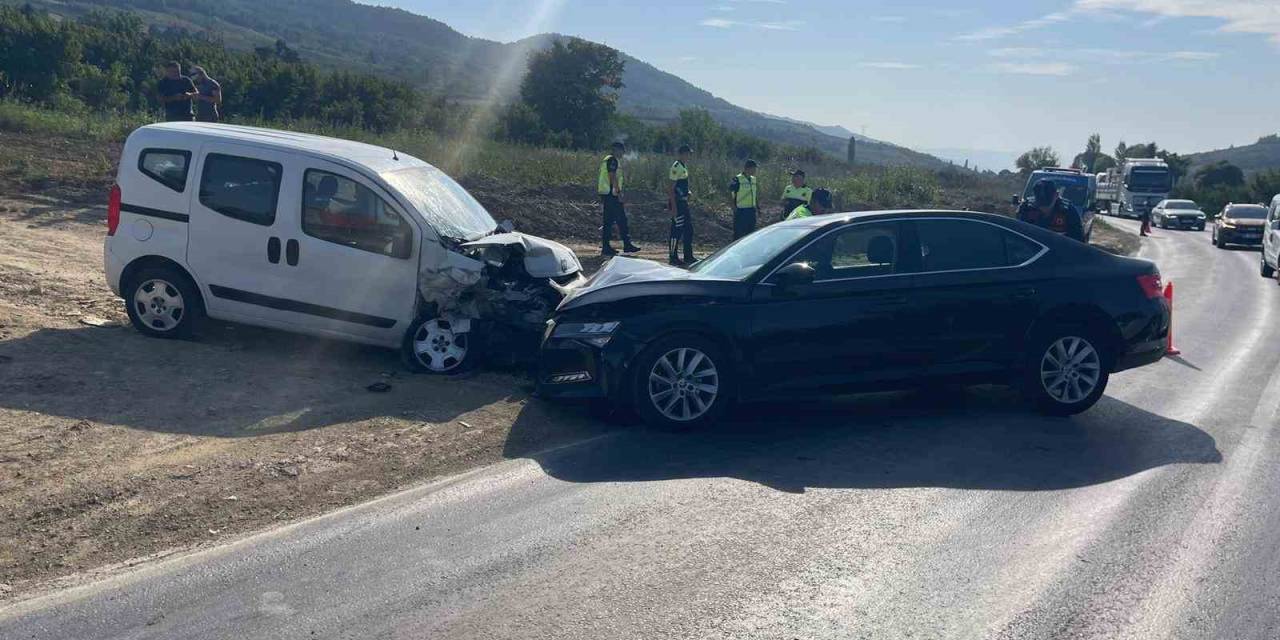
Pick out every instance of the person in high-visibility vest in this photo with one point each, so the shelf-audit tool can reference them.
(819, 203)
(609, 188)
(795, 194)
(744, 198)
(678, 204)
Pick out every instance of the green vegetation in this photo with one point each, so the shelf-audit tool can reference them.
(1037, 158)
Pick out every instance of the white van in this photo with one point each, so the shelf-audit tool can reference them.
(1271, 240)
(321, 236)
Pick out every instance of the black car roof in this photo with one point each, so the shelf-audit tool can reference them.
(818, 221)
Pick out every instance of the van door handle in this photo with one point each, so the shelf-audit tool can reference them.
(273, 250)
(291, 253)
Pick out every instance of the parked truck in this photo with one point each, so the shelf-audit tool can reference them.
(1134, 187)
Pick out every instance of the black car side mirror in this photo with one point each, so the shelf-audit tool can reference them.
(794, 274)
(1015, 200)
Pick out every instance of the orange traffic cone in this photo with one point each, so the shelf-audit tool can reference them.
(1170, 350)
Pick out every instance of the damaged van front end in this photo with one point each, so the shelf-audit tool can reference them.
(485, 293)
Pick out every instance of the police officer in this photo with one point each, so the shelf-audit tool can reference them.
(795, 194)
(678, 204)
(819, 203)
(1052, 212)
(609, 188)
(743, 198)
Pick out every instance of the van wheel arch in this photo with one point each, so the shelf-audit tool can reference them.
(157, 262)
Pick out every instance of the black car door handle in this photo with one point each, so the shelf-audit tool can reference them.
(273, 250)
(291, 253)
(1025, 293)
(891, 301)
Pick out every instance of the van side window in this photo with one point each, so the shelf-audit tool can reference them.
(340, 210)
(166, 166)
(241, 188)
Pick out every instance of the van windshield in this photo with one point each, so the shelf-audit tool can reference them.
(443, 202)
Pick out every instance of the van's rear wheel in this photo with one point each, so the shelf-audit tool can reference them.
(163, 302)
(438, 345)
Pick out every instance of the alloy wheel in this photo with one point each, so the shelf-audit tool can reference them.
(683, 384)
(159, 305)
(438, 347)
(1070, 369)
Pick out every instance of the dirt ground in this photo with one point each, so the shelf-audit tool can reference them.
(115, 447)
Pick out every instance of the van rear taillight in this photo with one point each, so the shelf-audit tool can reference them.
(1151, 285)
(113, 210)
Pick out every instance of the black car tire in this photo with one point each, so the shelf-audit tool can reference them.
(423, 331)
(1267, 270)
(183, 307)
(647, 391)
(1036, 389)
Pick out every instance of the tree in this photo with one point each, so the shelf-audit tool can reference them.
(572, 86)
(1121, 150)
(1265, 185)
(853, 149)
(1218, 175)
(1089, 158)
(1037, 158)
(1178, 165)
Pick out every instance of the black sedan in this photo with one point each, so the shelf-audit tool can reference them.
(851, 302)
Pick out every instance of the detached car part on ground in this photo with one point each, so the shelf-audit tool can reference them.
(856, 302)
(326, 237)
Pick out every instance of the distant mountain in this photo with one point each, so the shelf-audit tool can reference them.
(430, 54)
(1263, 155)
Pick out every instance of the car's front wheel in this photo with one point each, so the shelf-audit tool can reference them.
(1267, 270)
(681, 381)
(1066, 371)
(437, 345)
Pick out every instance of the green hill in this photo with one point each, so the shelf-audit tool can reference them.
(1263, 155)
(431, 55)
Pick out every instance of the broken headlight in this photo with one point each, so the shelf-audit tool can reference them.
(594, 333)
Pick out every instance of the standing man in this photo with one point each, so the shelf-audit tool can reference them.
(208, 96)
(1052, 212)
(821, 204)
(176, 92)
(795, 194)
(743, 200)
(678, 204)
(609, 187)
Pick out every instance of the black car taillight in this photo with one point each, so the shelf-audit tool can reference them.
(1151, 285)
(113, 210)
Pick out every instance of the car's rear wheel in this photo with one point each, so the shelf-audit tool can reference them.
(1066, 370)
(437, 345)
(1267, 270)
(163, 302)
(681, 381)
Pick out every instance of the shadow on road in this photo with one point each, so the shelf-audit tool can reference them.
(233, 381)
(973, 439)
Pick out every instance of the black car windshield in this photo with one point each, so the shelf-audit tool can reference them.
(446, 206)
(742, 258)
(1181, 204)
(1247, 212)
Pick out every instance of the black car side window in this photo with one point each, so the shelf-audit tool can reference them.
(956, 245)
(857, 251)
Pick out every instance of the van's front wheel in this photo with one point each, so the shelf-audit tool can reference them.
(437, 345)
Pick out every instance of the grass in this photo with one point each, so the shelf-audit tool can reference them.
(860, 187)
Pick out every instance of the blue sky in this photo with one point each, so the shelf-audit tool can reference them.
(1192, 75)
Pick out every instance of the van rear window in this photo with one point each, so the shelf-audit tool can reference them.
(241, 188)
(166, 166)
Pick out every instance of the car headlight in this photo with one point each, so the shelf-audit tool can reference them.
(594, 333)
(1227, 224)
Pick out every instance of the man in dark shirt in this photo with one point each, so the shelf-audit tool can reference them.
(1052, 212)
(208, 96)
(176, 92)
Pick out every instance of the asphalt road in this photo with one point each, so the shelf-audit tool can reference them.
(1154, 515)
